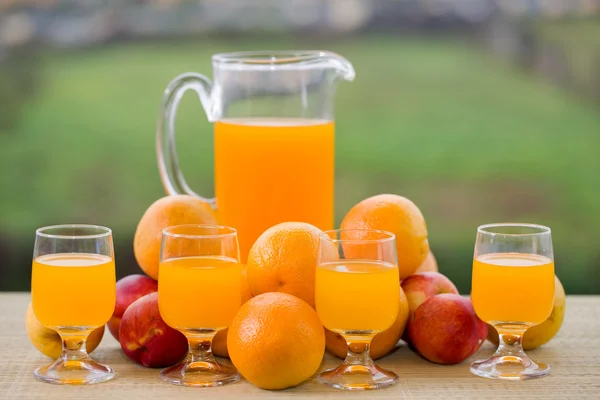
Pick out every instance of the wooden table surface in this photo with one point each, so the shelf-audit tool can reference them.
(574, 356)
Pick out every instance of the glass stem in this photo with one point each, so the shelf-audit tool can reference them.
(201, 349)
(510, 342)
(359, 352)
(73, 346)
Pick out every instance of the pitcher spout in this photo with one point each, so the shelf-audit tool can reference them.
(343, 67)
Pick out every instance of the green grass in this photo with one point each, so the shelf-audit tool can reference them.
(468, 139)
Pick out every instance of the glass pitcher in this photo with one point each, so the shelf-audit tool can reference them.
(274, 137)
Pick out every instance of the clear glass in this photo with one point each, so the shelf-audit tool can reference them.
(512, 290)
(357, 294)
(199, 293)
(272, 111)
(73, 291)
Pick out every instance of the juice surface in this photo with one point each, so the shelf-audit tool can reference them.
(199, 292)
(357, 295)
(73, 289)
(513, 287)
(272, 170)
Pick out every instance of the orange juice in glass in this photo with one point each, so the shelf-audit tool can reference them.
(524, 282)
(273, 137)
(512, 290)
(73, 291)
(357, 294)
(92, 289)
(199, 293)
(374, 303)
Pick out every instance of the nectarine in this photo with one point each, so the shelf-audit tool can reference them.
(429, 265)
(146, 339)
(129, 289)
(165, 212)
(446, 330)
(423, 285)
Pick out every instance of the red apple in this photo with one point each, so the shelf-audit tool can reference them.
(446, 330)
(146, 339)
(129, 289)
(423, 285)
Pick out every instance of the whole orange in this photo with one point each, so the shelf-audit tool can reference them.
(284, 259)
(382, 343)
(165, 212)
(276, 341)
(219, 344)
(399, 215)
(429, 265)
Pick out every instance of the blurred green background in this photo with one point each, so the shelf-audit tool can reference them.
(477, 120)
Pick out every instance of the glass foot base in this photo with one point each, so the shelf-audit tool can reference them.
(358, 377)
(201, 373)
(75, 372)
(511, 368)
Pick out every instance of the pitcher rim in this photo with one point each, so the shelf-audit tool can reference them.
(270, 57)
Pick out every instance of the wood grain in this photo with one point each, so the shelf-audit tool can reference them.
(574, 356)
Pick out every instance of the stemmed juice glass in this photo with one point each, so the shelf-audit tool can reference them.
(357, 295)
(199, 293)
(512, 290)
(73, 291)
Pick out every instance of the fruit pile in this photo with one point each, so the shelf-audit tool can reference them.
(276, 339)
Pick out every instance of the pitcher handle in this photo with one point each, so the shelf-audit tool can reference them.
(168, 165)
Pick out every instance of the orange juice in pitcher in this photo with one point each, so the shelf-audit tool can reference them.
(281, 168)
(274, 138)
